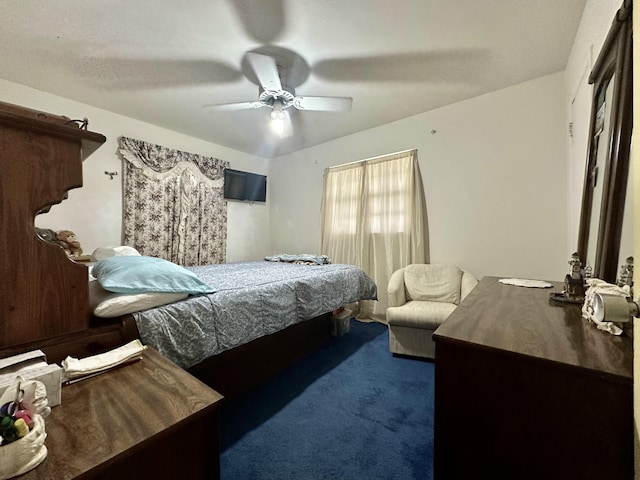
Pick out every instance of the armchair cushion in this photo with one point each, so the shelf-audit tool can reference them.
(420, 314)
(434, 283)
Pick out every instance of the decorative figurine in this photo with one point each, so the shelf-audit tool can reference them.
(626, 275)
(573, 283)
(576, 265)
(588, 272)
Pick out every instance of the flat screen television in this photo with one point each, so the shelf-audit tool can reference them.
(239, 185)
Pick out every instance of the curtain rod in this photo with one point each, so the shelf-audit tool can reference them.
(373, 158)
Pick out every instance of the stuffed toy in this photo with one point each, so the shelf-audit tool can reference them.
(67, 240)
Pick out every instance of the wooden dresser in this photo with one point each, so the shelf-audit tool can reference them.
(149, 419)
(527, 389)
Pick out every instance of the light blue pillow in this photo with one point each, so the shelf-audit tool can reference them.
(141, 274)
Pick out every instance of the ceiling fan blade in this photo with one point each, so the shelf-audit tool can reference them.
(263, 21)
(155, 73)
(325, 104)
(266, 70)
(450, 65)
(234, 106)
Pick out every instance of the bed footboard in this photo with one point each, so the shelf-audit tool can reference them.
(240, 369)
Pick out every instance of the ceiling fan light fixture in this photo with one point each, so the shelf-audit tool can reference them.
(277, 125)
(277, 113)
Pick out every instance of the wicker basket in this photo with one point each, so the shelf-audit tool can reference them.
(24, 454)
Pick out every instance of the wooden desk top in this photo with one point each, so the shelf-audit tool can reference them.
(117, 413)
(525, 321)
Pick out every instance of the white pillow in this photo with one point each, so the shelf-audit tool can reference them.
(107, 304)
(101, 253)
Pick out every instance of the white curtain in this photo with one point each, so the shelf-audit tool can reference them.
(374, 217)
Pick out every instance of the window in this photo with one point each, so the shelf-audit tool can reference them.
(373, 216)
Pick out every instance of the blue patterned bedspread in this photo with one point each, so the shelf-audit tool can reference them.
(252, 299)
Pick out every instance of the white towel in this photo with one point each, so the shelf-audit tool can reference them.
(600, 286)
(90, 366)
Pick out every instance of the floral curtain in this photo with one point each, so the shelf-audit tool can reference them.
(173, 203)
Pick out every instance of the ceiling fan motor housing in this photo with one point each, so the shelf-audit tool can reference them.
(286, 96)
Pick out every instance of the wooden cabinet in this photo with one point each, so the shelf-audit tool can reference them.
(149, 419)
(526, 388)
(42, 293)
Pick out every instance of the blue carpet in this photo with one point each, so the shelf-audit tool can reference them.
(350, 410)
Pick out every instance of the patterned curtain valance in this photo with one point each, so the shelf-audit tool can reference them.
(162, 159)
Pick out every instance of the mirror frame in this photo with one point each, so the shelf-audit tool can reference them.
(615, 60)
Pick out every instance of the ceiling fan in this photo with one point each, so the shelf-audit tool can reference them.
(278, 97)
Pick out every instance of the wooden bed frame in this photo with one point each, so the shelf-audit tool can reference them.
(44, 297)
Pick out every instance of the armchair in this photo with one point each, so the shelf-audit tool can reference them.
(421, 297)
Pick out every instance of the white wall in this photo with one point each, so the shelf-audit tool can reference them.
(494, 177)
(94, 212)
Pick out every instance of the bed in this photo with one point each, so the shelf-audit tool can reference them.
(234, 338)
(249, 303)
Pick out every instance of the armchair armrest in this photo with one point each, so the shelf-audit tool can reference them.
(467, 284)
(395, 289)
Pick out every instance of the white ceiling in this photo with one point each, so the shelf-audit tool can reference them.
(161, 61)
